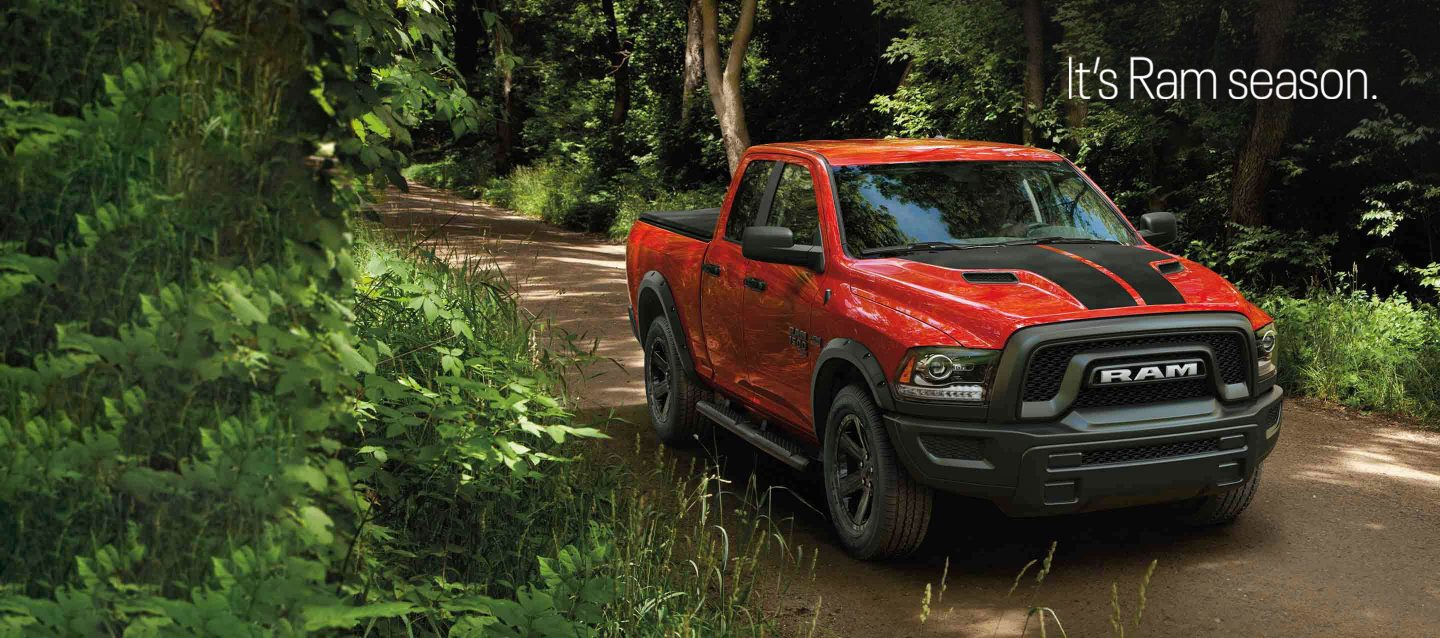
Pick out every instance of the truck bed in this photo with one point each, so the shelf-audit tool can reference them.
(698, 224)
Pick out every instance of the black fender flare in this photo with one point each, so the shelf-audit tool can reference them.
(857, 356)
(653, 283)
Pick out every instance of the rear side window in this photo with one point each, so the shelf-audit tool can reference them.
(747, 199)
(794, 206)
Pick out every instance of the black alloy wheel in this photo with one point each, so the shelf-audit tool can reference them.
(854, 472)
(670, 393)
(658, 380)
(877, 509)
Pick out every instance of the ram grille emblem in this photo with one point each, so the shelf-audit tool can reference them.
(1147, 372)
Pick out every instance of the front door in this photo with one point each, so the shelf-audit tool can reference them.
(722, 280)
(779, 302)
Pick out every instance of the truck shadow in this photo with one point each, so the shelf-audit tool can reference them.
(976, 537)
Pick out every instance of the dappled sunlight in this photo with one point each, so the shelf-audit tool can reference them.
(1376, 464)
(1389, 455)
(572, 282)
(1217, 565)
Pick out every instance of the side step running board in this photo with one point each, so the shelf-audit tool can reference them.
(768, 442)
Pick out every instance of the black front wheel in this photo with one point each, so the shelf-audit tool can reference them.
(877, 509)
(670, 393)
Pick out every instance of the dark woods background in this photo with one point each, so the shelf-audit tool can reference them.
(1275, 193)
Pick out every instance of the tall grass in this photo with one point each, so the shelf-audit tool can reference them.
(588, 544)
(220, 414)
(1360, 350)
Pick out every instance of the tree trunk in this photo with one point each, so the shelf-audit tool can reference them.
(620, 68)
(504, 125)
(1076, 109)
(1271, 122)
(469, 29)
(724, 82)
(694, 60)
(1034, 67)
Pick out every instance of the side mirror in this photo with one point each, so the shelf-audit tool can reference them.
(776, 245)
(1158, 228)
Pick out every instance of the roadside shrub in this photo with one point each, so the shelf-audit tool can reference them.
(638, 195)
(1360, 349)
(464, 175)
(570, 194)
(1261, 257)
(555, 191)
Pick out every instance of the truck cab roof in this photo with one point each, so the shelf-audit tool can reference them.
(899, 151)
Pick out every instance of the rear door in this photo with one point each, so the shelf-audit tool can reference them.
(723, 275)
(779, 302)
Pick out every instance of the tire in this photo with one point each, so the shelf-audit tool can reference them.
(1223, 507)
(896, 509)
(669, 392)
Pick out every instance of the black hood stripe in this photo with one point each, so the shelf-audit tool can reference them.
(1133, 266)
(1094, 289)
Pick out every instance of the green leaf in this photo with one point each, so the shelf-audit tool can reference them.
(244, 310)
(344, 616)
(317, 524)
(350, 359)
(308, 475)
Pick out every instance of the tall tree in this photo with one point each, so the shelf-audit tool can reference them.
(694, 60)
(505, 62)
(469, 25)
(620, 69)
(1034, 67)
(724, 82)
(1271, 121)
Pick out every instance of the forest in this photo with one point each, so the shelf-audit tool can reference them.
(231, 405)
(1326, 210)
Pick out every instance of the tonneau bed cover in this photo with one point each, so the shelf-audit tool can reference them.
(698, 224)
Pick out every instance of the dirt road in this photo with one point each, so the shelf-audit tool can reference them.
(1342, 540)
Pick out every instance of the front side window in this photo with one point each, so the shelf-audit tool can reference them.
(794, 205)
(746, 204)
(885, 206)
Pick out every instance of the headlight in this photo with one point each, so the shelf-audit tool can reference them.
(1265, 349)
(946, 374)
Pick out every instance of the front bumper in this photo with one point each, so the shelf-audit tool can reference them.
(1093, 458)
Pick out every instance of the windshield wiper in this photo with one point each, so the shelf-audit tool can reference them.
(1059, 240)
(910, 248)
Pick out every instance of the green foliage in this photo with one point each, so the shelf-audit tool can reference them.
(219, 415)
(557, 191)
(638, 193)
(1360, 349)
(1399, 208)
(570, 194)
(455, 172)
(1262, 257)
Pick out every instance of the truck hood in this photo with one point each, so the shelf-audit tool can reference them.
(980, 296)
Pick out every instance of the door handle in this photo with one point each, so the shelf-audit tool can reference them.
(755, 284)
(711, 269)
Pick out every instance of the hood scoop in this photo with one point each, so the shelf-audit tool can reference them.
(1170, 267)
(991, 277)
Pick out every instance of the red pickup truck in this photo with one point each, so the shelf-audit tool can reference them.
(977, 318)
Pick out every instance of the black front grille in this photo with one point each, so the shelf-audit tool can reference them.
(954, 447)
(1048, 364)
(1102, 397)
(1162, 451)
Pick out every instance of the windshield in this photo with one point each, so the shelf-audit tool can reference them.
(887, 206)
